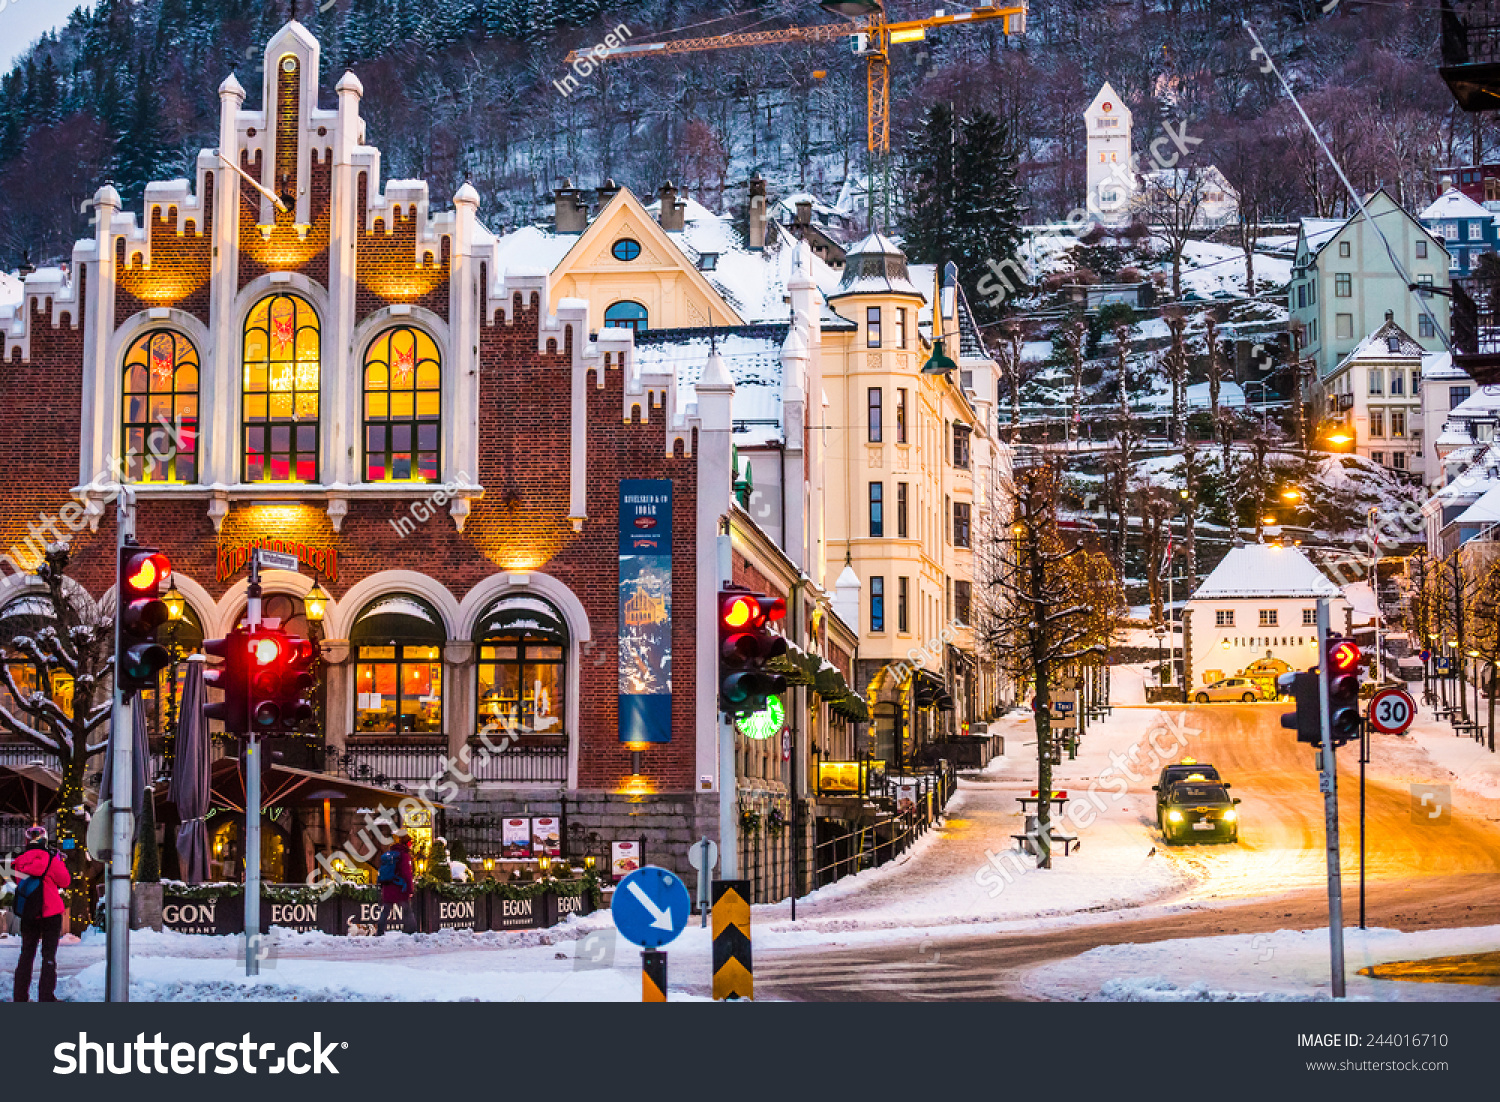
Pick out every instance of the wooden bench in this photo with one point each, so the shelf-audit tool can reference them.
(1069, 842)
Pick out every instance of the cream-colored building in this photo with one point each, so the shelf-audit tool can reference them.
(1255, 615)
(1375, 394)
(1112, 179)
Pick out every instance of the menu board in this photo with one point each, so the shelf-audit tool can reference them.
(624, 859)
(515, 838)
(546, 837)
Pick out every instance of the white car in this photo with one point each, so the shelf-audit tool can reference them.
(1229, 689)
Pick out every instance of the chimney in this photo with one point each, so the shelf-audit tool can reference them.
(1390, 316)
(571, 216)
(607, 191)
(804, 212)
(671, 216)
(1445, 184)
(756, 233)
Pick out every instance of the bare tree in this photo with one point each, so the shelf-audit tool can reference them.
(57, 662)
(1176, 364)
(1169, 202)
(1056, 605)
(1073, 337)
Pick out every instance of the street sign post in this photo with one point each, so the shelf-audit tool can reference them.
(703, 855)
(1391, 711)
(277, 560)
(651, 908)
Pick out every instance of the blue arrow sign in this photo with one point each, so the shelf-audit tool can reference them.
(651, 907)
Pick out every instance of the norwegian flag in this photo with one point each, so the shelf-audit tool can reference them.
(1166, 558)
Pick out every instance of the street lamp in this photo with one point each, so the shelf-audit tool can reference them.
(1291, 493)
(315, 603)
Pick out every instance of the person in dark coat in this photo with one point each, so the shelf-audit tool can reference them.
(398, 892)
(44, 930)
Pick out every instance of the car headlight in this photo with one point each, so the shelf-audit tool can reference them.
(1174, 816)
(1231, 815)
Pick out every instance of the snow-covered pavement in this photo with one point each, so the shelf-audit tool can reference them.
(1285, 965)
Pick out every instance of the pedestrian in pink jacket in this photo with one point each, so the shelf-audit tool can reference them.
(397, 880)
(39, 859)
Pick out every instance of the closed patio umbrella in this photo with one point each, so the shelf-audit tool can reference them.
(140, 765)
(189, 788)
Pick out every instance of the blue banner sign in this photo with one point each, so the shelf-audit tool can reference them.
(646, 610)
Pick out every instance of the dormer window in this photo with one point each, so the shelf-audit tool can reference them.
(625, 249)
(1393, 344)
(708, 262)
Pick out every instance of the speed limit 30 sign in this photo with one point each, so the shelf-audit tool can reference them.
(1391, 711)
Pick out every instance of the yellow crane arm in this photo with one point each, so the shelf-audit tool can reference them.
(879, 31)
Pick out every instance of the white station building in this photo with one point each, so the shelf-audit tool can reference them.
(1256, 615)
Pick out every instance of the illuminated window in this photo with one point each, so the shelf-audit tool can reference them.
(523, 673)
(159, 427)
(281, 354)
(1268, 618)
(403, 400)
(398, 643)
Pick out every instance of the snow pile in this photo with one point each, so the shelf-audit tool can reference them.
(1288, 965)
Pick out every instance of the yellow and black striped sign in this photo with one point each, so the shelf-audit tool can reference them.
(733, 973)
(653, 976)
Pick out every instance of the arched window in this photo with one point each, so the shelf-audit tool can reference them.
(403, 401)
(159, 419)
(522, 646)
(398, 650)
(625, 315)
(281, 352)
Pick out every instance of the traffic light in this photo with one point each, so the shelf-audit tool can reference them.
(138, 656)
(230, 678)
(296, 680)
(1343, 665)
(267, 669)
(1307, 720)
(746, 644)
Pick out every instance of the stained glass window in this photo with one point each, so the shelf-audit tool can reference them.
(159, 420)
(282, 351)
(403, 404)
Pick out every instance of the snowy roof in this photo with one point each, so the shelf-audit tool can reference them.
(751, 353)
(532, 247)
(1476, 406)
(1454, 204)
(1439, 365)
(1265, 570)
(1361, 599)
(11, 289)
(1320, 231)
(1377, 346)
(1484, 511)
(876, 265)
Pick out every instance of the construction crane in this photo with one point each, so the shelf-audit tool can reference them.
(866, 24)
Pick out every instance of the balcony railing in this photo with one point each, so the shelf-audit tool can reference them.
(23, 753)
(403, 765)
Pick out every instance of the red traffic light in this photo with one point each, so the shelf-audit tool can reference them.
(739, 612)
(146, 570)
(265, 650)
(1343, 657)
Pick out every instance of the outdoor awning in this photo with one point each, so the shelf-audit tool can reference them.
(284, 786)
(30, 790)
(521, 614)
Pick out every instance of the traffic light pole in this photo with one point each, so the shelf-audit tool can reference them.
(729, 838)
(1329, 783)
(252, 793)
(121, 766)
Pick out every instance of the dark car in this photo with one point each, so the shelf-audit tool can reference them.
(1200, 809)
(1188, 769)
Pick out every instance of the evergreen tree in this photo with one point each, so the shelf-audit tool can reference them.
(437, 862)
(141, 144)
(963, 203)
(147, 852)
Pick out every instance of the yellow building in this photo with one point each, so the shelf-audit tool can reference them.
(873, 476)
(912, 467)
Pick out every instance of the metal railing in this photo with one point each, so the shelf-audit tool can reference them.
(408, 765)
(23, 753)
